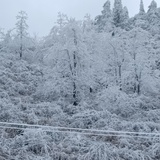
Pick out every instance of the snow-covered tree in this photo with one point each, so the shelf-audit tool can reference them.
(140, 19)
(104, 21)
(141, 9)
(7, 41)
(22, 33)
(117, 13)
(140, 49)
(107, 9)
(125, 17)
(152, 7)
(153, 19)
(68, 55)
(125, 14)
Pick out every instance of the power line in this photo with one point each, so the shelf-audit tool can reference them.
(78, 130)
(79, 133)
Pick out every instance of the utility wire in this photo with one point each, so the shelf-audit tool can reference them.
(77, 130)
(79, 133)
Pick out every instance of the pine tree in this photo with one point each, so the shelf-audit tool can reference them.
(125, 14)
(141, 10)
(153, 18)
(21, 30)
(104, 20)
(6, 43)
(117, 13)
(152, 7)
(125, 18)
(107, 9)
(140, 20)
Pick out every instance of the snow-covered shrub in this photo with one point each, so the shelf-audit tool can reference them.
(84, 119)
(100, 151)
(118, 102)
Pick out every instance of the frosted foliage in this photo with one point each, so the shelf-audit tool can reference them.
(90, 89)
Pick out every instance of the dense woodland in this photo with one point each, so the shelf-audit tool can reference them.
(101, 73)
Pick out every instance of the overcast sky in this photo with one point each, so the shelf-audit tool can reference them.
(43, 13)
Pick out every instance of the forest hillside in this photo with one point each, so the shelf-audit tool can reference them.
(89, 90)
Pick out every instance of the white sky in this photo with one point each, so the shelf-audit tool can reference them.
(43, 13)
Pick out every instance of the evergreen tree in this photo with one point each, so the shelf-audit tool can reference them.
(140, 19)
(117, 13)
(6, 43)
(141, 10)
(125, 18)
(21, 27)
(107, 9)
(152, 7)
(153, 18)
(125, 14)
(104, 20)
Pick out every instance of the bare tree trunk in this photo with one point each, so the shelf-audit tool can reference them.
(138, 89)
(21, 45)
(75, 97)
(90, 89)
(139, 84)
(137, 79)
(135, 73)
(75, 103)
(21, 50)
(73, 72)
(120, 76)
(118, 68)
(116, 79)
